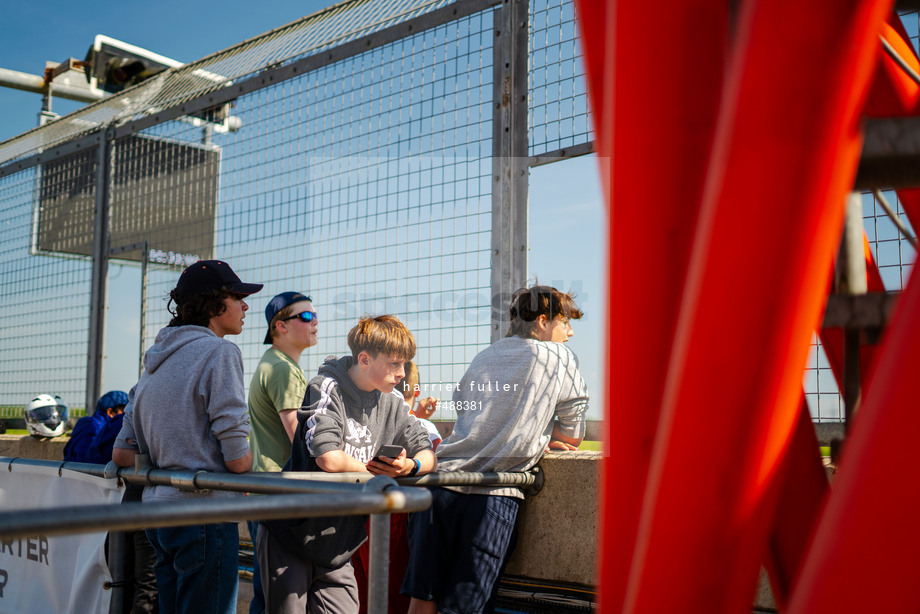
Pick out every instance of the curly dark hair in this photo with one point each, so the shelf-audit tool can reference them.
(198, 309)
(528, 304)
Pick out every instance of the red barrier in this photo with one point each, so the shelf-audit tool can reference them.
(910, 201)
(804, 485)
(802, 481)
(785, 155)
(665, 113)
(863, 555)
(893, 92)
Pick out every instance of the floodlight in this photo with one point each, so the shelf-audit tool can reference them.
(112, 65)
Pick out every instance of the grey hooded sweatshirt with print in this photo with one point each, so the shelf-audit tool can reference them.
(337, 415)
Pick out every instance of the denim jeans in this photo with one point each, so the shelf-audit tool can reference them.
(458, 549)
(197, 568)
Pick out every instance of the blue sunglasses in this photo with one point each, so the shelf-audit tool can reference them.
(303, 316)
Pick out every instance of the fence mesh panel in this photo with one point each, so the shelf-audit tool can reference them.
(367, 185)
(895, 259)
(558, 116)
(44, 329)
(331, 27)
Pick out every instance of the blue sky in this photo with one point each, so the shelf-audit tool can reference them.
(566, 220)
(53, 30)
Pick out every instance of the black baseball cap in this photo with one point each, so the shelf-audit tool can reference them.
(207, 275)
(278, 303)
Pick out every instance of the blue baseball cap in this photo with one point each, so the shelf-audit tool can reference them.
(278, 303)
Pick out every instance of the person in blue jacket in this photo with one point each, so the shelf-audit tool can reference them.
(91, 442)
(99, 450)
(108, 408)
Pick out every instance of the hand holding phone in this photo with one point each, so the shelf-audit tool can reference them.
(390, 451)
(390, 461)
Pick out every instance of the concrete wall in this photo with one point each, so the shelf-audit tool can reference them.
(558, 527)
(557, 537)
(25, 446)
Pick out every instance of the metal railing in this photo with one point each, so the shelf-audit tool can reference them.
(293, 495)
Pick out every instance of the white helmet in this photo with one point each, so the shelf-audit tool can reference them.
(46, 416)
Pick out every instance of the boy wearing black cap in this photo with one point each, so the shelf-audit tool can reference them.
(188, 411)
(276, 393)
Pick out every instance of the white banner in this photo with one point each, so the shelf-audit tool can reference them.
(53, 574)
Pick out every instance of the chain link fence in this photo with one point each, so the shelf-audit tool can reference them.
(354, 155)
(373, 155)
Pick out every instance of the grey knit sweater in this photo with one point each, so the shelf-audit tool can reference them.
(506, 404)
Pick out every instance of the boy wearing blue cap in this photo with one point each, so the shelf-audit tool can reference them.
(276, 393)
(278, 384)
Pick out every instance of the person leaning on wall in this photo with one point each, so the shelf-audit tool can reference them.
(519, 397)
(349, 417)
(188, 411)
(422, 409)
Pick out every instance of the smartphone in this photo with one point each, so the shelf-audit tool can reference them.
(389, 451)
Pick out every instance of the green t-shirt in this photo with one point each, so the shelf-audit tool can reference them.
(277, 384)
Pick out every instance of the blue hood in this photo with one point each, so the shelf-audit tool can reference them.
(111, 399)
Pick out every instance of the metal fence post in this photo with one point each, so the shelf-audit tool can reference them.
(853, 270)
(378, 572)
(100, 272)
(144, 260)
(510, 166)
(117, 569)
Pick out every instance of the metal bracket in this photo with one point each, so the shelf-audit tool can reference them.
(538, 481)
(111, 470)
(379, 483)
(183, 480)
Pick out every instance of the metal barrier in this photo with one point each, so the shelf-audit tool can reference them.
(293, 495)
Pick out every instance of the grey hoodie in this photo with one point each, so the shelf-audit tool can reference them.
(337, 415)
(188, 410)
